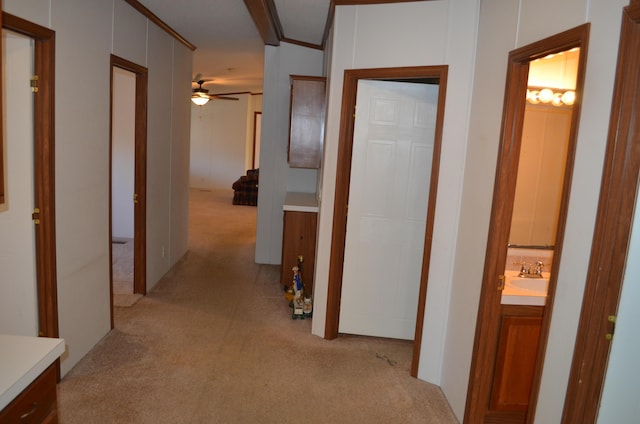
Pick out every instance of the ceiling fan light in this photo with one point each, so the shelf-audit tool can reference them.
(200, 101)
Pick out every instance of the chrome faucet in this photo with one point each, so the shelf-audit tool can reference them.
(537, 270)
(524, 270)
(531, 270)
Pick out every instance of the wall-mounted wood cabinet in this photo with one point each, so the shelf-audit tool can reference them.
(306, 128)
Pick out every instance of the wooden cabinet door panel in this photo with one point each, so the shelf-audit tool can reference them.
(515, 362)
(299, 239)
(306, 130)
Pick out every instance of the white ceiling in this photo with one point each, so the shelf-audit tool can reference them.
(229, 49)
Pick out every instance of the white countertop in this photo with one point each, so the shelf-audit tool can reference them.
(512, 296)
(300, 202)
(22, 360)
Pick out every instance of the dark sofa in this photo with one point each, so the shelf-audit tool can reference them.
(245, 189)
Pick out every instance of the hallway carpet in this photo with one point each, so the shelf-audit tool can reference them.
(214, 342)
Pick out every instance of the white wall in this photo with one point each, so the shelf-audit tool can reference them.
(219, 150)
(87, 32)
(421, 33)
(122, 153)
(276, 178)
(17, 232)
(179, 155)
(505, 25)
(621, 393)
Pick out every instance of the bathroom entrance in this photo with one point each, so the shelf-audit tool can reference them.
(530, 201)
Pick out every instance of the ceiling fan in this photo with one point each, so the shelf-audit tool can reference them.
(200, 96)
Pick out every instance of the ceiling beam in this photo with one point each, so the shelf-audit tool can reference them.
(265, 16)
(267, 22)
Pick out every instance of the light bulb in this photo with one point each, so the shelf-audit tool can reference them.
(569, 97)
(546, 95)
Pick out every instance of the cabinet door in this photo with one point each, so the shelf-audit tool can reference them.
(299, 239)
(306, 132)
(516, 358)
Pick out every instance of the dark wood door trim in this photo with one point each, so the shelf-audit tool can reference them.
(44, 169)
(1, 121)
(612, 231)
(343, 173)
(487, 326)
(140, 177)
(257, 116)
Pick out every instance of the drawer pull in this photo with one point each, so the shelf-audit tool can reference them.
(33, 410)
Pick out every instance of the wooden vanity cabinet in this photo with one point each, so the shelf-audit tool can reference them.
(299, 239)
(516, 358)
(37, 403)
(306, 124)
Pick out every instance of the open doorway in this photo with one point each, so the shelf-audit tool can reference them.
(35, 45)
(435, 77)
(122, 180)
(530, 202)
(128, 181)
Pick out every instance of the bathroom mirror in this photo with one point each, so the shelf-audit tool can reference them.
(543, 152)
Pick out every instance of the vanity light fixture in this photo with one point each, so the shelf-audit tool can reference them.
(548, 95)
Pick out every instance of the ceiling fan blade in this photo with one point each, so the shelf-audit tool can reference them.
(196, 78)
(216, 97)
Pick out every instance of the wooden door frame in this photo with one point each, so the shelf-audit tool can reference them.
(44, 170)
(487, 326)
(614, 220)
(343, 173)
(256, 136)
(2, 199)
(140, 177)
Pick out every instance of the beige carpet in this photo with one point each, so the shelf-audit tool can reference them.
(214, 342)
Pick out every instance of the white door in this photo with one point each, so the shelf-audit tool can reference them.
(19, 311)
(389, 187)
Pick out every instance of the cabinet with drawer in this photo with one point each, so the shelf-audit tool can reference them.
(37, 403)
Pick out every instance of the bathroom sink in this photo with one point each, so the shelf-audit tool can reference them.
(529, 284)
(525, 291)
